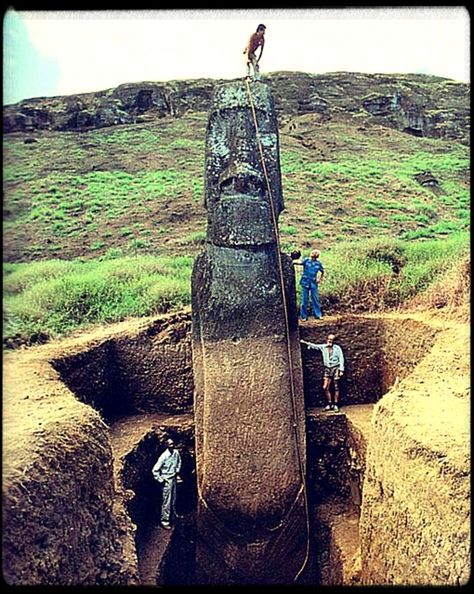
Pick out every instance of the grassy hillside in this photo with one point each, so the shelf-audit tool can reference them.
(50, 298)
(115, 216)
(139, 188)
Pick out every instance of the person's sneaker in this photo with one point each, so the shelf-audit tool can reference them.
(303, 319)
(335, 408)
(165, 525)
(327, 407)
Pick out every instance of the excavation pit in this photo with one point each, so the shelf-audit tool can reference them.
(135, 386)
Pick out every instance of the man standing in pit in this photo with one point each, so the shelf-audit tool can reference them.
(257, 40)
(333, 361)
(166, 472)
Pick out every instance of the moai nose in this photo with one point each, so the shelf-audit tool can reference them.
(242, 178)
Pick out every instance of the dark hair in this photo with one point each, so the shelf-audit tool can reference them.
(260, 27)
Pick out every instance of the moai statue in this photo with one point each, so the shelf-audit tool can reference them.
(252, 522)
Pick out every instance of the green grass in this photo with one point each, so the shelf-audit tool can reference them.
(119, 205)
(69, 190)
(48, 299)
(195, 238)
(380, 273)
(102, 191)
(68, 183)
(374, 190)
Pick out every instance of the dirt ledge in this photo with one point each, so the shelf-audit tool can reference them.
(71, 529)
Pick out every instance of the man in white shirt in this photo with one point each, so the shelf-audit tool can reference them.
(166, 471)
(333, 361)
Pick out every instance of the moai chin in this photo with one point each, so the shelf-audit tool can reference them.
(250, 437)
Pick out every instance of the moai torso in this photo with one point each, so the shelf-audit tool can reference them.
(249, 412)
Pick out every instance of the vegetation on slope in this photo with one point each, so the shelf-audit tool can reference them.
(140, 188)
(47, 299)
(104, 224)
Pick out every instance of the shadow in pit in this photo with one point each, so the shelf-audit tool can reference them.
(145, 495)
(178, 565)
(151, 374)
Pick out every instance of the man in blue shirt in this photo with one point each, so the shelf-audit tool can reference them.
(309, 284)
(166, 471)
(333, 361)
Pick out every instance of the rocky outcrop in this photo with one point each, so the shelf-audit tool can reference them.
(417, 104)
(416, 114)
(428, 180)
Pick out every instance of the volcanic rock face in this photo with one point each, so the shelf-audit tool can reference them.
(418, 104)
(250, 443)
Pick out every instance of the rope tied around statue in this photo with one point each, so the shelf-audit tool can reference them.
(294, 255)
(293, 396)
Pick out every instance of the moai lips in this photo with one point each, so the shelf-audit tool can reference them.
(249, 412)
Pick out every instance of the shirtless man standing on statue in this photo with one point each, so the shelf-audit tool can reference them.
(257, 40)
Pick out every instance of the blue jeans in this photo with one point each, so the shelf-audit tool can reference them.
(168, 505)
(314, 301)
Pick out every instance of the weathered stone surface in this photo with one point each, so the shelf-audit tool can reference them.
(428, 180)
(382, 104)
(250, 443)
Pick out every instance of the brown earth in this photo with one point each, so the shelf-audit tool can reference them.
(415, 515)
(55, 444)
(83, 417)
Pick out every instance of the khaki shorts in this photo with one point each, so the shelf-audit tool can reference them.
(252, 59)
(332, 372)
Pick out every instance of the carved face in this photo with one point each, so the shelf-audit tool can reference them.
(236, 191)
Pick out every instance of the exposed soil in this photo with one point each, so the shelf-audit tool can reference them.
(40, 414)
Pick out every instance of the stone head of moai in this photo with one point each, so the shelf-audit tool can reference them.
(237, 197)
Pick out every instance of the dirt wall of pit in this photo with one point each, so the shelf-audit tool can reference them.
(62, 522)
(415, 516)
(376, 353)
(145, 369)
(149, 369)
